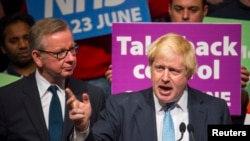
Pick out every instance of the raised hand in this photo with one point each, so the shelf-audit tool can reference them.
(244, 76)
(108, 74)
(80, 111)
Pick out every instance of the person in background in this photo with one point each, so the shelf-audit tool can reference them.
(138, 116)
(14, 33)
(187, 10)
(8, 8)
(26, 104)
(233, 9)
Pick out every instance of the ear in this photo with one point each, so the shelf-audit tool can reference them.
(169, 9)
(205, 10)
(37, 58)
(3, 50)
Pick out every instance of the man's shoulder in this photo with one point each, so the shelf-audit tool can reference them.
(202, 96)
(134, 93)
(133, 96)
(78, 83)
(79, 86)
(16, 88)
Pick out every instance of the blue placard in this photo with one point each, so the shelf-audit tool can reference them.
(90, 18)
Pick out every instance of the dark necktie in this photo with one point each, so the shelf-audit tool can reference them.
(168, 126)
(55, 116)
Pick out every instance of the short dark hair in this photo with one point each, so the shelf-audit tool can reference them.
(13, 18)
(204, 2)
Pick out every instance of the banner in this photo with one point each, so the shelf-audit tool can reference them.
(245, 34)
(218, 51)
(90, 18)
(7, 79)
(245, 48)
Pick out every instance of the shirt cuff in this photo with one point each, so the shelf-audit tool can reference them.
(80, 136)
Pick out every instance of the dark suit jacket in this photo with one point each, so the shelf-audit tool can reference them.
(131, 117)
(21, 114)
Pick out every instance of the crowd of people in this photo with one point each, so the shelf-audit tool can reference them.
(44, 54)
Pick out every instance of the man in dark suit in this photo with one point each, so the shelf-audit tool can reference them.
(26, 104)
(195, 11)
(138, 116)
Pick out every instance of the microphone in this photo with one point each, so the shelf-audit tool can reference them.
(182, 128)
(190, 129)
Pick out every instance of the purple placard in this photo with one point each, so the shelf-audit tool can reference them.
(218, 50)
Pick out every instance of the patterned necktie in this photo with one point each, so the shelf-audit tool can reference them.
(168, 126)
(55, 116)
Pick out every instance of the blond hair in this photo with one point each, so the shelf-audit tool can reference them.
(178, 44)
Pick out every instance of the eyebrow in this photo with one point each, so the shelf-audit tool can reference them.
(179, 6)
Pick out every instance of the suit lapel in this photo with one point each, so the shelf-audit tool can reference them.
(32, 104)
(145, 117)
(197, 113)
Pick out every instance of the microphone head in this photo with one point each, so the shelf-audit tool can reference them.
(182, 127)
(190, 128)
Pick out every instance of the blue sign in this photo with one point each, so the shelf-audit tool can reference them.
(90, 18)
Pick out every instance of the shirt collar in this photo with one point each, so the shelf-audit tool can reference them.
(43, 84)
(181, 103)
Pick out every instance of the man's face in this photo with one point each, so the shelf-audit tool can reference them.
(168, 76)
(187, 11)
(50, 66)
(16, 45)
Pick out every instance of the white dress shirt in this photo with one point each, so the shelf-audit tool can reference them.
(179, 114)
(46, 96)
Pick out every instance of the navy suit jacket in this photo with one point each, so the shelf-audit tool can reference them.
(21, 113)
(131, 117)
